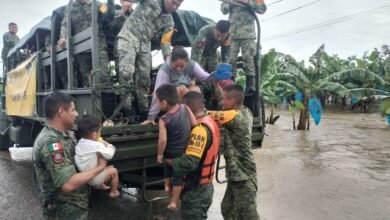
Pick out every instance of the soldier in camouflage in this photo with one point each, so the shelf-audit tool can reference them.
(121, 16)
(196, 197)
(64, 191)
(151, 18)
(82, 20)
(239, 201)
(243, 36)
(208, 40)
(116, 25)
(9, 40)
(61, 68)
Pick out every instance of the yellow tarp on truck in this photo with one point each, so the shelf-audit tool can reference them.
(20, 89)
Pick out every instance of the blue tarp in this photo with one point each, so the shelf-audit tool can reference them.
(299, 96)
(388, 119)
(353, 100)
(315, 110)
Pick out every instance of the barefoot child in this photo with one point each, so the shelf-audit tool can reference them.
(174, 131)
(89, 148)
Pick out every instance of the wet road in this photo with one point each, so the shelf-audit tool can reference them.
(338, 170)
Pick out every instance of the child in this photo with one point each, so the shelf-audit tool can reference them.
(90, 147)
(240, 195)
(174, 131)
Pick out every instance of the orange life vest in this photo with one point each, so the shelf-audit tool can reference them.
(207, 166)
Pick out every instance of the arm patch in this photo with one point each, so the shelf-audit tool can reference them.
(166, 38)
(103, 8)
(56, 152)
(198, 141)
(223, 117)
(58, 156)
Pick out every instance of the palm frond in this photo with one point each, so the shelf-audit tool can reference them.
(297, 71)
(361, 75)
(366, 92)
(331, 87)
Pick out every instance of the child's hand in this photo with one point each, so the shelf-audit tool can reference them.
(159, 158)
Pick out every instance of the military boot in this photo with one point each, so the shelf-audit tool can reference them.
(250, 85)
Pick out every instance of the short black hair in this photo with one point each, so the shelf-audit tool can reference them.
(168, 93)
(223, 26)
(88, 124)
(11, 23)
(236, 92)
(178, 52)
(55, 101)
(194, 100)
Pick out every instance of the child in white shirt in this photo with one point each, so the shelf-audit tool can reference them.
(89, 148)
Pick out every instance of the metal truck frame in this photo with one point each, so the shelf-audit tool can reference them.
(136, 144)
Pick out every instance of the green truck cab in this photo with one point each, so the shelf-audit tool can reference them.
(136, 144)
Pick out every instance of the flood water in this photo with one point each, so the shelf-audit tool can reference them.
(338, 170)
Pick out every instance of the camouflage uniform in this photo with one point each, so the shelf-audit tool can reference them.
(196, 199)
(134, 46)
(204, 48)
(115, 27)
(81, 20)
(54, 164)
(239, 201)
(61, 69)
(9, 41)
(243, 34)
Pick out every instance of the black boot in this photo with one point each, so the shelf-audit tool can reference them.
(250, 85)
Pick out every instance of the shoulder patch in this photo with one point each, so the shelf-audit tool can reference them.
(103, 9)
(55, 146)
(223, 117)
(58, 156)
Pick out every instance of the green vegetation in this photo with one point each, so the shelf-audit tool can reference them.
(325, 75)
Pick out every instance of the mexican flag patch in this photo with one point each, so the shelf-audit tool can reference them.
(55, 147)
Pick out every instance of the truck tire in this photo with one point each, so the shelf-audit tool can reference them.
(4, 142)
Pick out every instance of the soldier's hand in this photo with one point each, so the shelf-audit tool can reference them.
(126, 7)
(146, 122)
(61, 42)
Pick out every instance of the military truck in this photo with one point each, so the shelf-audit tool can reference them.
(22, 115)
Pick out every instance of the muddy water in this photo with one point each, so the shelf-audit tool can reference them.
(338, 170)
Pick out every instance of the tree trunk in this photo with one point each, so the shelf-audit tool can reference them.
(294, 122)
(271, 120)
(308, 121)
(323, 99)
(303, 117)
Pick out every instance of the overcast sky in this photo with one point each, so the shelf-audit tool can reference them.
(352, 37)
